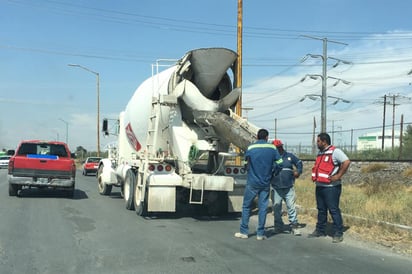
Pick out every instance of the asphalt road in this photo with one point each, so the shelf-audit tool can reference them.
(44, 231)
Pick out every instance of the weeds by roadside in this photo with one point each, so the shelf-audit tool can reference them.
(376, 209)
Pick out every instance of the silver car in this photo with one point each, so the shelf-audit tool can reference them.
(4, 161)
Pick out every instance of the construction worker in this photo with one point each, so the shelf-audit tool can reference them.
(283, 190)
(262, 159)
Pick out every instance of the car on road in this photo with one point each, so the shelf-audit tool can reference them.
(4, 161)
(90, 165)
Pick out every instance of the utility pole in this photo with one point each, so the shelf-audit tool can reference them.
(400, 139)
(324, 76)
(383, 123)
(313, 136)
(238, 75)
(239, 55)
(390, 100)
(393, 123)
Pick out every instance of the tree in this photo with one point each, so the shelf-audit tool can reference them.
(407, 143)
(81, 152)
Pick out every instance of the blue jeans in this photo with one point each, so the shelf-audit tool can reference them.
(289, 196)
(263, 199)
(327, 198)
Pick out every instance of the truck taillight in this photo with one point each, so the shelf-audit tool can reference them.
(235, 170)
(11, 166)
(160, 167)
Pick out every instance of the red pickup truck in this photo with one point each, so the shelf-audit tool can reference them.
(41, 164)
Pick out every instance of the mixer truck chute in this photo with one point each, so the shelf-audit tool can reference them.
(175, 138)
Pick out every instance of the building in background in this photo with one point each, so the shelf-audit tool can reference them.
(374, 141)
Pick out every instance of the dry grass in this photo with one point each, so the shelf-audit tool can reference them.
(372, 211)
(407, 172)
(373, 168)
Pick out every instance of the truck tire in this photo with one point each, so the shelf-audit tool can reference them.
(128, 189)
(103, 188)
(140, 197)
(13, 189)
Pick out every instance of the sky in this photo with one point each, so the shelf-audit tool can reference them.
(283, 43)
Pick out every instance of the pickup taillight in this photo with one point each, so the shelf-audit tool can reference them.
(11, 166)
(73, 169)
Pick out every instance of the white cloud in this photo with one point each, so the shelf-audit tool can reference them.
(380, 67)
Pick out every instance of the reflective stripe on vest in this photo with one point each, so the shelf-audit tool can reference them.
(324, 166)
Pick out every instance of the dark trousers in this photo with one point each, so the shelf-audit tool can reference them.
(327, 199)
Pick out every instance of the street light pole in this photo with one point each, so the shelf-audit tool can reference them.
(98, 102)
(67, 130)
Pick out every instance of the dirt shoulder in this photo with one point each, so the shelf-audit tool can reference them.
(359, 234)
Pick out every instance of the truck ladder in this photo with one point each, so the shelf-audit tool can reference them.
(154, 124)
(191, 201)
(153, 127)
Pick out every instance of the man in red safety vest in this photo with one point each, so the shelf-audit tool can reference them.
(331, 164)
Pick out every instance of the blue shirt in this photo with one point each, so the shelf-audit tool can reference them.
(285, 178)
(262, 160)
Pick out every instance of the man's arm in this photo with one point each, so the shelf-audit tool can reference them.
(342, 170)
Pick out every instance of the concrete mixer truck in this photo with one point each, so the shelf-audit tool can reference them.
(176, 138)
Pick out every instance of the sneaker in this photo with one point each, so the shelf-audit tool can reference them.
(316, 233)
(337, 239)
(241, 235)
(261, 238)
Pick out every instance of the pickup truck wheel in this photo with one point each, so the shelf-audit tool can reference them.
(13, 189)
(128, 189)
(104, 189)
(140, 197)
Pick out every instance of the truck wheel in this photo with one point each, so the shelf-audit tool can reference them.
(13, 189)
(128, 189)
(140, 197)
(104, 189)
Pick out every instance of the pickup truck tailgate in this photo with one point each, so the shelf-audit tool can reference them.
(36, 165)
